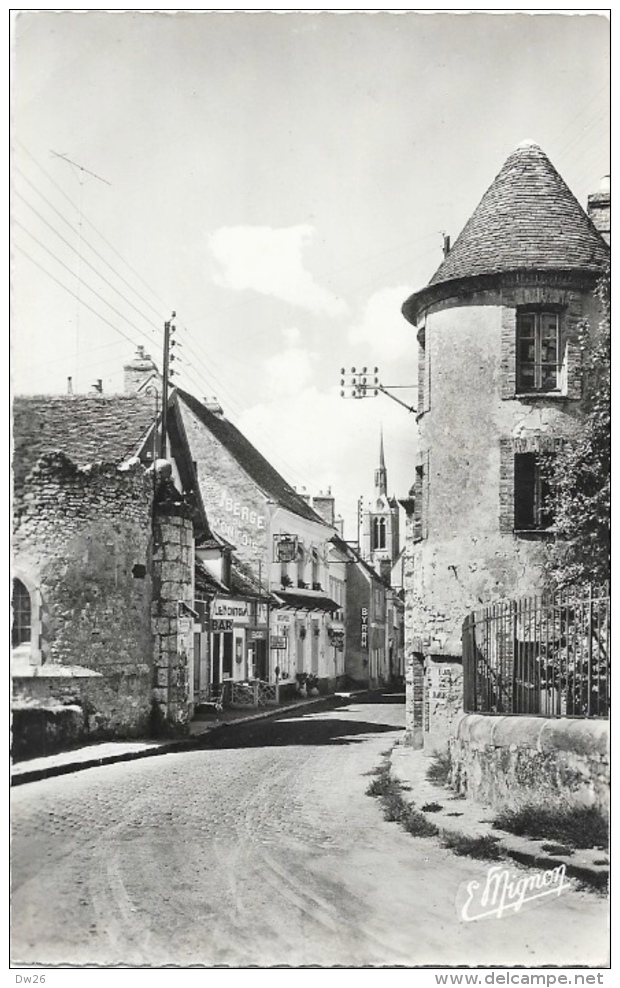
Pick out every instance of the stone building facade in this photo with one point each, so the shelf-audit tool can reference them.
(499, 385)
(103, 563)
(283, 544)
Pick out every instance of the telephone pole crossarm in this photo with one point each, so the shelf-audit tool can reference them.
(365, 383)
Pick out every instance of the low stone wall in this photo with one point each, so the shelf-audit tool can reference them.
(44, 730)
(111, 705)
(506, 762)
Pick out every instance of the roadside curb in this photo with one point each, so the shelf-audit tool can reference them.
(19, 777)
(522, 850)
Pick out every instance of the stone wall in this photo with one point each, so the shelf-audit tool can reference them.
(443, 702)
(507, 762)
(83, 540)
(172, 618)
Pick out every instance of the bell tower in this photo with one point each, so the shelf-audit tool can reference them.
(379, 535)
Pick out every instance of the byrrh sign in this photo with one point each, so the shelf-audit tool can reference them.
(364, 628)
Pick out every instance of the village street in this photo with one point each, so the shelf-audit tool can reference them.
(262, 848)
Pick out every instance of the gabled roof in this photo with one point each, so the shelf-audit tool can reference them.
(87, 428)
(528, 219)
(348, 550)
(247, 456)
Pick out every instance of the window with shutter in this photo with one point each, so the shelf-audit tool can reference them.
(538, 352)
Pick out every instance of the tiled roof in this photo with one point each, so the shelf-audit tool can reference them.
(87, 428)
(297, 601)
(527, 220)
(352, 552)
(248, 457)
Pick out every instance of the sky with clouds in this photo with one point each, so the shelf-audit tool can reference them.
(283, 182)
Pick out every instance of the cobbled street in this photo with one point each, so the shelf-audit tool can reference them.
(261, 848)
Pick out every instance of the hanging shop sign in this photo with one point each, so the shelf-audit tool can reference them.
(285, 548)
(278, 641)
(337, 640)
(258, 636)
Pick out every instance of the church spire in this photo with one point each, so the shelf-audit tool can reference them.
(381, 473)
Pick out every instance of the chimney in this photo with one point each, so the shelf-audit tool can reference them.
(212, 405)
(324, 505)
(599, 209)
(446, 244)
(138, 371)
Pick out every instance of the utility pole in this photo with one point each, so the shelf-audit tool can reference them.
(168, 330)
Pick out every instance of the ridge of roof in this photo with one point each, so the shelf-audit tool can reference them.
(528, 219)
(249, 458)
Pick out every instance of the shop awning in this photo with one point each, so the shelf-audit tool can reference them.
(305, 600)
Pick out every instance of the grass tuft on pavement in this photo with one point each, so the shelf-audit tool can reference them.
(576, 827)
(439, 769)
(484, 848)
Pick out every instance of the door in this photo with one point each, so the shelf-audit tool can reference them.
(260, 658)
(216, 666)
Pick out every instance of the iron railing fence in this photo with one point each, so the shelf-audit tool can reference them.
(545, 655)
(254, 693)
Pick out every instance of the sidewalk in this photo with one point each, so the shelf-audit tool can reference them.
(459, 815)
(110, 752)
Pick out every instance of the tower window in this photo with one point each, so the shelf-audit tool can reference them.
(538, 348)
(378, 533)
(22, 615)
(531, 493)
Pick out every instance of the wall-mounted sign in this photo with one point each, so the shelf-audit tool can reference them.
(218, 625)
(277, 641)
(237, 611)
(364, 628)
(258, 636)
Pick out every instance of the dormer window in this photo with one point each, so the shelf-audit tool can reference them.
(538, 351)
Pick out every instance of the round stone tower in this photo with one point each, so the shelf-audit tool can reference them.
(499, 379)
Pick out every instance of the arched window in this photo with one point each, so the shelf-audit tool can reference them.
(22, 615)
(375, 533)
(381, 533)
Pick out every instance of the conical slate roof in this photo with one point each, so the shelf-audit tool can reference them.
(527, 220)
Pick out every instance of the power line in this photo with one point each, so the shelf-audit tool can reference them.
(85, 261)
(86, 285)
(66, 289)
(92, 225)
(90, 246)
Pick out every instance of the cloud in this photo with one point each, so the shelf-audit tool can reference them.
(318, 440)
(270, 261)
(289, 371)
(383, 328)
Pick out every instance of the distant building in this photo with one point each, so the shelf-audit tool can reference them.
(379, 524)
(499, 385)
